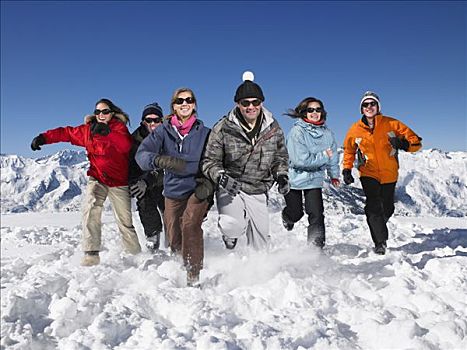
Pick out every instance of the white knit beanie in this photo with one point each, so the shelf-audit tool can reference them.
(370, 95)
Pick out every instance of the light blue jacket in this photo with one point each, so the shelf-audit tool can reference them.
(308, 160)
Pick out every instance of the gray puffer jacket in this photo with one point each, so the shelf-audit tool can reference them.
(256, 166)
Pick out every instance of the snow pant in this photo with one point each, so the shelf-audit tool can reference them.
(148, 213)
(244, 214)
(183, 219)
(379, 207)
(314, 208)
(96, 194)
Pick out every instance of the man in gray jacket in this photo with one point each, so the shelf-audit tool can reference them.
(245, 155)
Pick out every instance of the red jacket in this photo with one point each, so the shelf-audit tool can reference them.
(108, 155)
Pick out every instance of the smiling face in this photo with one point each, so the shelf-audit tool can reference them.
(103, 113)
(369, 108)
(250, 108)
(314, 112)
(184, 105)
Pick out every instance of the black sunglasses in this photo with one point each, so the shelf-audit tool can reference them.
(311, 110)
(103, 111)
(153, 120)
(366, 104)
(246, 103)
(179, 100)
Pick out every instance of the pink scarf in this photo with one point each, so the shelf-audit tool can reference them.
(184, 128)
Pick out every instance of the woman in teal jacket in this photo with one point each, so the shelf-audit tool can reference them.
(312, 152)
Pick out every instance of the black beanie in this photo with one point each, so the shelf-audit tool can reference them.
(152, 108)
(248, 89)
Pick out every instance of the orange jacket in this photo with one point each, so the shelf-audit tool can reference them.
(378, 159)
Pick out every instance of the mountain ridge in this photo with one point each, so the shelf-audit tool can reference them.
(431, 182)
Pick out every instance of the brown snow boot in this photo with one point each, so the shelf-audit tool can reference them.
(90, 258)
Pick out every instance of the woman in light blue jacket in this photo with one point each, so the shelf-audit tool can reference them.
(312, 152)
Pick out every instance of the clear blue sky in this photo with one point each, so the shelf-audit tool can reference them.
(59, 58)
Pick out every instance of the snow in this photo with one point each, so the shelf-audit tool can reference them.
(290, 297)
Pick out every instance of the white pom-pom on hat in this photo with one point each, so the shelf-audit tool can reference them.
(247, 75)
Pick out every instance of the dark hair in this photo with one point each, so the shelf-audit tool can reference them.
(115, 109)
(300, 110)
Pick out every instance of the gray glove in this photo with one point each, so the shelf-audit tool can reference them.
(204, 188)
(170, 163)
(229, 184)
(138, 189)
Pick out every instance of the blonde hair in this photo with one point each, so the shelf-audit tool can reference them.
(175, 96)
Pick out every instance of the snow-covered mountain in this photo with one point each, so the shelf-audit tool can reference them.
(51, 183)
(431, 182)
(291, 296)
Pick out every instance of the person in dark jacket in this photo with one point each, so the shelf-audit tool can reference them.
(147, 186)
(245, 155)
(107, 142)
(176, 147)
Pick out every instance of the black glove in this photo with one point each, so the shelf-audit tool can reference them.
(99, 128)
(229, 184)
(158, 177)
(37, 142)
(348, 178)
(283, 184)
(138, 189)
(398, 143)
(170, 163)
(204, 188)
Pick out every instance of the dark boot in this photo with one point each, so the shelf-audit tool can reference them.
(288, 225)
(152, 242)
(192, 279)
(380, 248)
(316, 236)
(230, 243)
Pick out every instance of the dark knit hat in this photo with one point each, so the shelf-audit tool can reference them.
(248, 89)
(370, 95)
(152, 108)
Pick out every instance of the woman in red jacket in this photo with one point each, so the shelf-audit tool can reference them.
(108, 143)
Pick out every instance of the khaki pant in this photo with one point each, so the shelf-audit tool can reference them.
(183, 219)
(96, 194)
(244, 214)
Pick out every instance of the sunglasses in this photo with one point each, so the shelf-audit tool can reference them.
(246, 103)
(179, 100)
(367, 104)
(153, 120)
(311, 110)
(103, 111)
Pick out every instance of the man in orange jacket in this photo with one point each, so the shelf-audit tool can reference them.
(375, 141)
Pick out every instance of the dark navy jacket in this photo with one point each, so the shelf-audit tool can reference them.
(165, 140)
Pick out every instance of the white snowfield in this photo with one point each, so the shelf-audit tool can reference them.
(290, 297)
